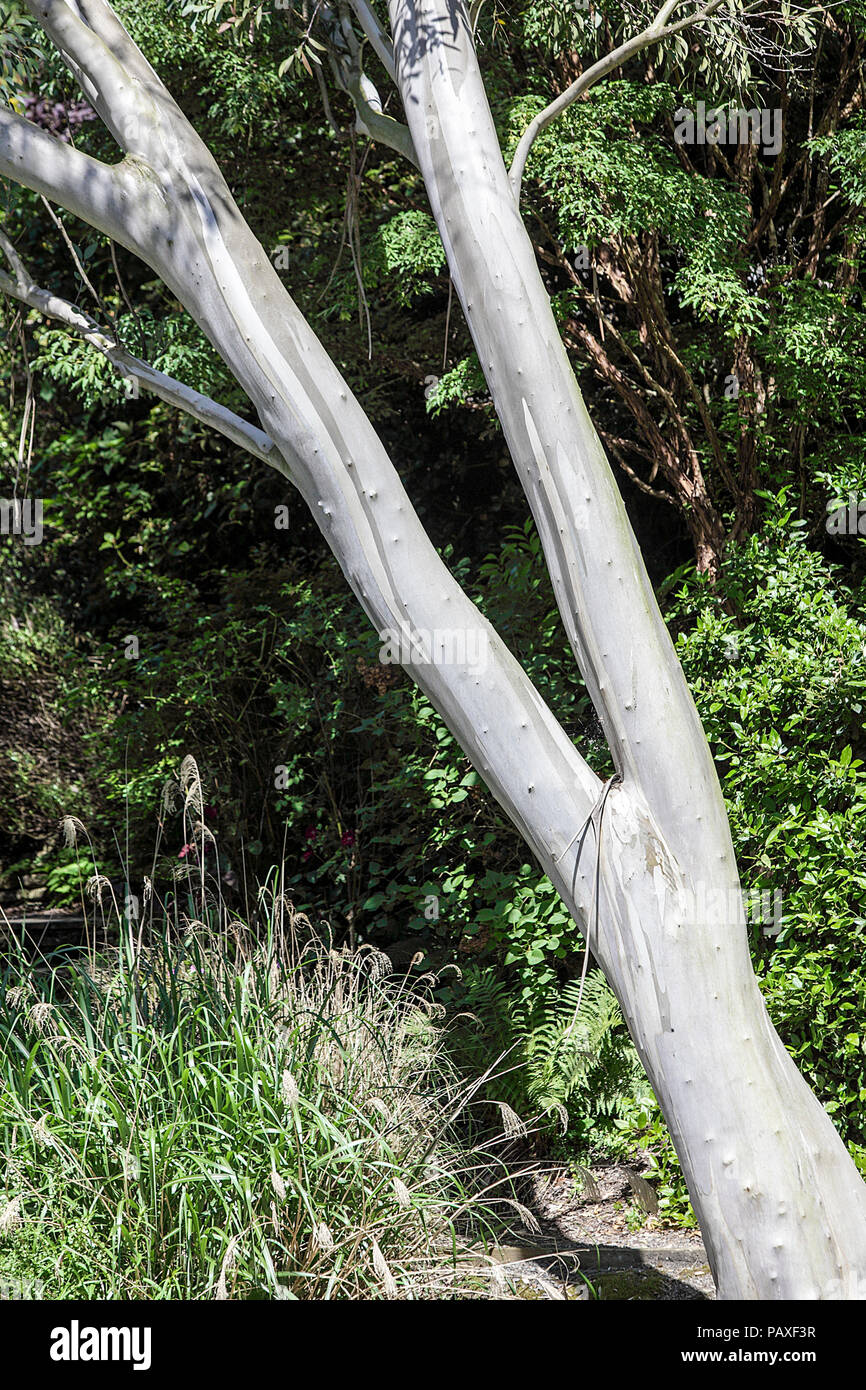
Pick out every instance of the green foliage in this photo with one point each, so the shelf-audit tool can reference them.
(611, 174)
(312, 740)
(237, 93)
(20, 52)
(665, 1173)
(846, 155)
(716, 53)
(173, 345)
(399, 263)
(462, 385)
(67, 877)
(405, 253)
(44, 725)
(817, 338)
(570, 1058)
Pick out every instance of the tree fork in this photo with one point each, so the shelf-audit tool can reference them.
(782, 1207)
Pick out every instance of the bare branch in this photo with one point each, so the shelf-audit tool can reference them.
(656, 32)
(113, 74)
(20, 286)
(371, 120)
(379, 39)
(326, 105)
(615, 447)
(345, 57)
(102, 194)
(196, 239)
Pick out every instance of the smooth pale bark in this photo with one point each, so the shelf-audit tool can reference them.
(602, 588)
(20, 286)
(780, 1202)
(781, 1206)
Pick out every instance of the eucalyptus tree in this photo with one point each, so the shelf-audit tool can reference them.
(644, 862)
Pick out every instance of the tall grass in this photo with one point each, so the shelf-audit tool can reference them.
(216, 1116)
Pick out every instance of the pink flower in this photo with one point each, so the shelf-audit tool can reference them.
(187, 849)
(347, 839)
(312, 835)
(307, 854)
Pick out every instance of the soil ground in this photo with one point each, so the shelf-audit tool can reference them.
(583, 1247)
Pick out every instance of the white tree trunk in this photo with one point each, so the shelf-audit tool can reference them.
(760, 1155)
(781, 1206)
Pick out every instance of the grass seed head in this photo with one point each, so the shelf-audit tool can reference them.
(289, 1088)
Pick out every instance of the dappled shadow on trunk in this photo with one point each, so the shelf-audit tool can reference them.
(417, 36)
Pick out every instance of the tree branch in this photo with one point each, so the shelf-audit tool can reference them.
(379, 39)
(371, 120)
(345, 58)
(113, 73)
(655, 33)
(196, 239)
(614, 445)
(20, 286)
(101, 194)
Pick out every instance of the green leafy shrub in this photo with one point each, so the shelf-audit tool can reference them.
(45, 726)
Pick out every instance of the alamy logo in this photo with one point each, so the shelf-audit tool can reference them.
(20, 1289)
(444, 646)
(21, 518)
(847, 518)
(760, 906)
(77, 1343)
(734, 127)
